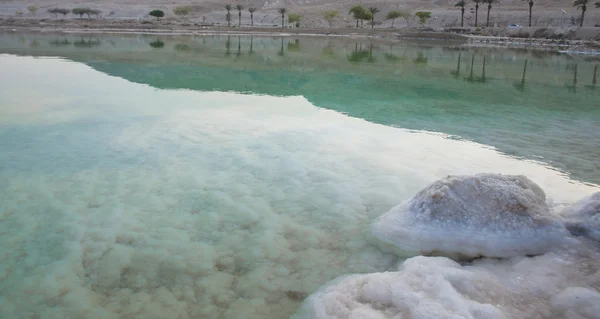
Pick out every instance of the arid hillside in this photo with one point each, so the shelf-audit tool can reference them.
(444, 13)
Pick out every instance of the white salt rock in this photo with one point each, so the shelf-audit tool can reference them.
(577, 303)
(486, 214)
(583, 217)
(419, 290)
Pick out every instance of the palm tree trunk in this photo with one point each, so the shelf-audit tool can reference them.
(487, 23)
(582, 15)
(530, 5)
(240, 19)
(372, 21)
(462, 17)
(357, 23)
(282, 20)
(251, 19)
(476, 11)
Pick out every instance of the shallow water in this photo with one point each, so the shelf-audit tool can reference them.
(229, 177)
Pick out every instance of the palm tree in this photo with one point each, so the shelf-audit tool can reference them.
(251, 10)
(282, 11)
(228, 15)
(373, 10)
(597, 4)
(489, 2)
(366, 16)
(357, 12)
(461, 4)
(239, 8)
(530, 6)
(476, 10)
(583, 5)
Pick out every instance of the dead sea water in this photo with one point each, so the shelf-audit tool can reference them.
(230, 177)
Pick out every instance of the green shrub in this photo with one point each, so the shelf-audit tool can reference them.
(81, 11)
(183, 11)
(32, 9)
(57, 11)
(423, 16)
(157, 14)
(294, 19)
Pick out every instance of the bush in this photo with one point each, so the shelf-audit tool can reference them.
(183, 11)
(57, 11)
(95, 12)
(32, 8)
(294, 19)
(423, 16)
(157, 14)
(81, 11)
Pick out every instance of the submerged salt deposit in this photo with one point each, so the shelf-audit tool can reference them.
(487, 214)
(118, 200)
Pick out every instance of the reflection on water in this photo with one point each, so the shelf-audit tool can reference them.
(157, 44)
(521, 85)
(193, 180)
(400, 84)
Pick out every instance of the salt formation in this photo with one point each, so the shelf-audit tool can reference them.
(559, 284)
(583, 217)
(486, 214)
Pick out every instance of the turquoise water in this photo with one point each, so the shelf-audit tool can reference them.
(229, 177)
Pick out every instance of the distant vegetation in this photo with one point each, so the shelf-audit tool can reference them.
(157, 14)
(87, 11)
(228, 15)
(282, 11)
(32, 9)
(423, 16)
(252, 10)
(359, 13)
(239, 8)
(57, 11)
(330, 15)
(183, 11)
(582, 5)
(373, 11)
(461, 4)
(294, 19)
